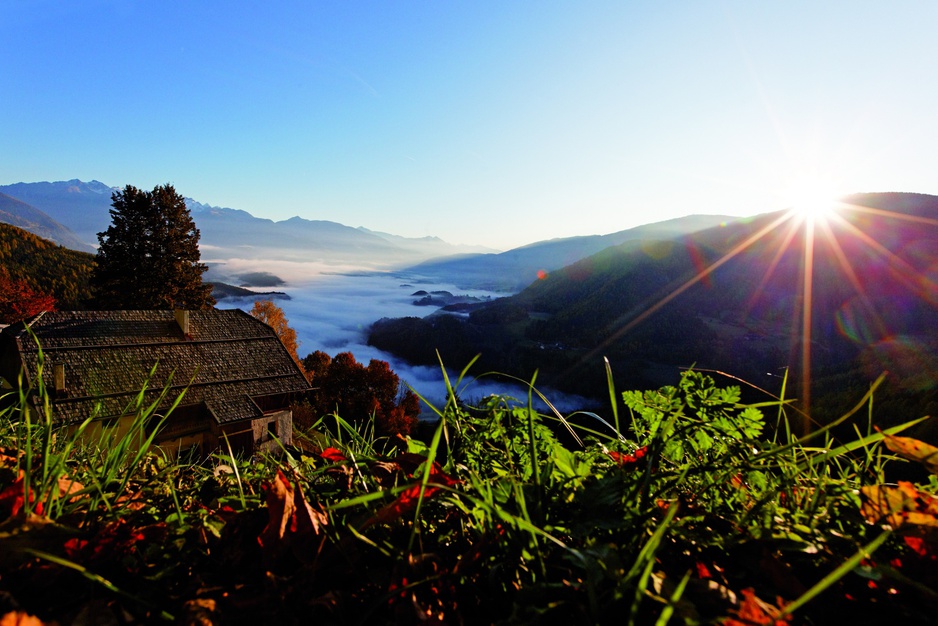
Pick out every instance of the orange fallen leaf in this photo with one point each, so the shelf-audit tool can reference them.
(68, 487)
(307, 520)
(899, 506)
(280, 506)
(753, 610)
(293, 523)
(19, 618)
(914, 450)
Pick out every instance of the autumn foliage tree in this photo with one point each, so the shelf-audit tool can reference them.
(356, 393)
(272, 315)
(19, 301)
(149, 256)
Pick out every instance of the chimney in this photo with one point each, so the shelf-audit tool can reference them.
(58, 375)
(182, 318)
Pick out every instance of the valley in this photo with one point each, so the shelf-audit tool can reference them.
(698, 291)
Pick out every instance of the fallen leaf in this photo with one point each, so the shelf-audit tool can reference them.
(279, 496)
(200, 612)
(68, 487)
(753, 610)
(333, 455)
(408, 499)
(13, 498)
(914, 450)
(293, 524)
(899, 506)
(19, 618)
(117, 541)
(306, 519)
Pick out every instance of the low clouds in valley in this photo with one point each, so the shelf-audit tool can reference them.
(332, 312)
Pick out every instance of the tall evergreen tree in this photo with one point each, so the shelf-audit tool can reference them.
(148, 258)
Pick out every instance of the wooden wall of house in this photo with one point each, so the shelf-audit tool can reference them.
(273, 426)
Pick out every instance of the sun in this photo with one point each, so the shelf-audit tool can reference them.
(812, 197)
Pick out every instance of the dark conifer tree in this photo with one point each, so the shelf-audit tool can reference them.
(148, 257)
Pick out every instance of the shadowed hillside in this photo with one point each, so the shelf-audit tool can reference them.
(732, 298)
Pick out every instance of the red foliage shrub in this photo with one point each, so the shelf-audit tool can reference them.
(347, 388)
(19, 301)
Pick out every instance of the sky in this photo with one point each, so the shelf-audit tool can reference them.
(486, 123)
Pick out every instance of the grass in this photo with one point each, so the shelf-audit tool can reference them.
(686, 507)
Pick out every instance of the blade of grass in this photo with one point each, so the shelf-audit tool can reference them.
(668, 611)
(234, 467)
(100, 580)
(427, 468)
(837, 422)
(841, 571)
(613, 401)
(860, 443)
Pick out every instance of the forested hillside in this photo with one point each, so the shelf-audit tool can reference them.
(46, 267)
(731, 298)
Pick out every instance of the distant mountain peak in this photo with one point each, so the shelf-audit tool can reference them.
(93, 186)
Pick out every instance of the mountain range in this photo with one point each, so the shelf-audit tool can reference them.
(73, 212)
(516, 269)
(22, 215)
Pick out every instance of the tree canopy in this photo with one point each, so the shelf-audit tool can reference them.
(19, 301)
(345, 387)
(272, 315)
(149, 256)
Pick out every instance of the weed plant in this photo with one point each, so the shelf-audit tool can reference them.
(685, 507)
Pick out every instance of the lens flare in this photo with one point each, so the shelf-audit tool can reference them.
(837, 250)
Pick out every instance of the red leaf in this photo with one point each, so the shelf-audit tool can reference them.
(407, 500)
(13, 497)
(752, 610)
(117, 539)
(628, 460)
(333, 455)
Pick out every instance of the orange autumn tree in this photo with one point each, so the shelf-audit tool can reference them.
(19, 301)
(272, 315)
(356, 393)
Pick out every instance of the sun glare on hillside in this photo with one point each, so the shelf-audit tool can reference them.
(812, 197)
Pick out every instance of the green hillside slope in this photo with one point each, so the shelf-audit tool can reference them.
(47, 267)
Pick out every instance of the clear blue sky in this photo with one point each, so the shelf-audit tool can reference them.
(497, 123)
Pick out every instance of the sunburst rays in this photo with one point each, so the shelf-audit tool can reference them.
(830, 241)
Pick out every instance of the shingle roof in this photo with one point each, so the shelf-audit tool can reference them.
(227, 358)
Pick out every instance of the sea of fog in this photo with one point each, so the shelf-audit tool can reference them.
(332, 308)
